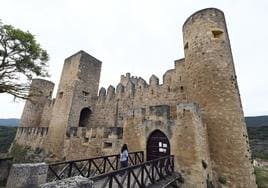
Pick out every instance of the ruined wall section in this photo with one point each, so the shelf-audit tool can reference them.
(39, 95)
(212, 84)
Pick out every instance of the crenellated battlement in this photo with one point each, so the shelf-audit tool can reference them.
(131, 87)
(32, 131)
(35, 137)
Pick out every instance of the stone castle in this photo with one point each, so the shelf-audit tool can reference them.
(195, 114)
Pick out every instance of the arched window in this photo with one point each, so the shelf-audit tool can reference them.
(84, 117)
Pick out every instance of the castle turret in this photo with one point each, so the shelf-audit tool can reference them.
(39, 94)
(212, 83)
(77, 90)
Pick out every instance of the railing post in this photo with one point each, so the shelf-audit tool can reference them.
(153, 172)
(161, 167)
(89, 168)
(111, 182)
(128, 179)
(116, 165)
(142, 176)
(70, 169)
(104, 164)
(172, 163)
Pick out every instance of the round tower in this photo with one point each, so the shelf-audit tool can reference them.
(39, 94)
(212, 84)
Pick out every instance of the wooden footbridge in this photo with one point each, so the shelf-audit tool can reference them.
(105, 171)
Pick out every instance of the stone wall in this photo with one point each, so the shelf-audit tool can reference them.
(27, 175)
(82, 142)
(35, 137)
(40, 93)
(113, 106)
(186, 133)
(73, 182)
(47, 113)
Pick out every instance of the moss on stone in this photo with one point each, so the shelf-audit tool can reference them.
(222, 180)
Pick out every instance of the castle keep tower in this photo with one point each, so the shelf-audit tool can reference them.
(39, 94)
(212, 84)
(77, 88)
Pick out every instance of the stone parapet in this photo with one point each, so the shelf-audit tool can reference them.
(73, 182)
(27, 175)
(38, 131)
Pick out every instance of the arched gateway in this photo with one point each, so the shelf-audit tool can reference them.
(84, 117)
(157, 145)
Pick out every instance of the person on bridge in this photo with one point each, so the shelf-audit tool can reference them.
(124, 156)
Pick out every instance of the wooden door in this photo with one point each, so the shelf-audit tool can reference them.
(157, 145)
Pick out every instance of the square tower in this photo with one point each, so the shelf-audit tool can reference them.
(77, 89)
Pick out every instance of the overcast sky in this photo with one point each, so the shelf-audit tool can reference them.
(142, 37)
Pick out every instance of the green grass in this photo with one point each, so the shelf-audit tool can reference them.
(7, 134)
(261, 177)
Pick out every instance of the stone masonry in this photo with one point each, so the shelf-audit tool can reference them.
(197, 107)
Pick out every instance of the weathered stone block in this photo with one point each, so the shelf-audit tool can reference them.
(27, 175)
(73, 182)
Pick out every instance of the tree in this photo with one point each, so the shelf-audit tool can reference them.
(21, 58)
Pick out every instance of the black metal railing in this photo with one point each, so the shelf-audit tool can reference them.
(90, 167)
(141, 175)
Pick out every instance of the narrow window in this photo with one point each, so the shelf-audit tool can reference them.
(61, 95)
(107, 145)
(85, 94)
(93, 135)
(217, 33)
(86, 140)
(186, 46)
